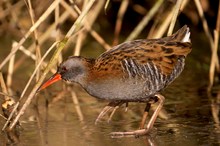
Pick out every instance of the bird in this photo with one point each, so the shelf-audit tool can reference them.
(134, 71)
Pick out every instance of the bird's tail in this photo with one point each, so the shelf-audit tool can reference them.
(182, 35)
(180, 41)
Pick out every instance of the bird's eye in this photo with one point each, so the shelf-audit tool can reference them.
(64, 68)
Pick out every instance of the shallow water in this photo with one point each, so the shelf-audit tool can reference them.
(187, 106)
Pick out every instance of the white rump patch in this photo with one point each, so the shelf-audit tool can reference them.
(187, 36)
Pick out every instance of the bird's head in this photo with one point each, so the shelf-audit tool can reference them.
(74, 69)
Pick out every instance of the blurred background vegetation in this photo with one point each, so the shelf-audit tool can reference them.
(112, 24)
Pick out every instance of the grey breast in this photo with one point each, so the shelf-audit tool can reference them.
(138, 84)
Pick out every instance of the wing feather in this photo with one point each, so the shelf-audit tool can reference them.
(164, 55)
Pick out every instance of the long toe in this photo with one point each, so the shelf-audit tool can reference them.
(103, 113)
(111, 107)
(113, 112)
(135, 133)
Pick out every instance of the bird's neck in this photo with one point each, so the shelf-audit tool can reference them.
(87, 67)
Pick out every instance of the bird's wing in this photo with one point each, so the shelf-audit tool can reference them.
(162, 54)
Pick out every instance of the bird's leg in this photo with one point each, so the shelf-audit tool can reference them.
(149, 125)
(113, 112)
(153, 100)
(115, 108)
(112, 106)
(126, 106)
(144, 118)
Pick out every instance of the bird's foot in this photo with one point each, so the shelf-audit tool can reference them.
(111, 107)
(135, 133)
(143, 131)
(103, 113)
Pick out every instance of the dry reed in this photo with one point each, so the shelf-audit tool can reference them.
(81, 28)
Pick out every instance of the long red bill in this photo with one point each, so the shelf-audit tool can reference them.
(56, 77)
